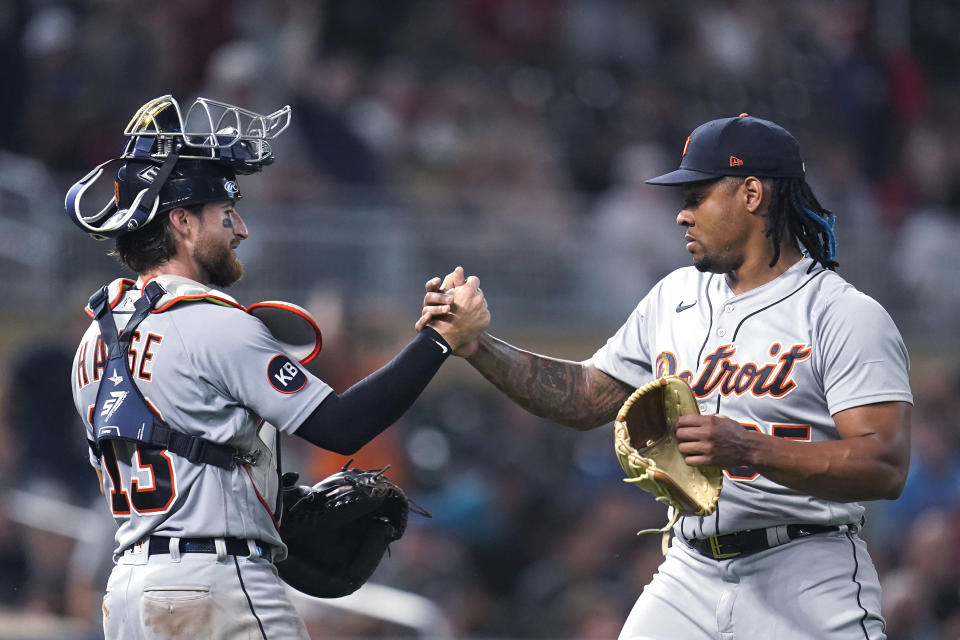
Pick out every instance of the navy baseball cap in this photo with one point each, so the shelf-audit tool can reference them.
(741, 146)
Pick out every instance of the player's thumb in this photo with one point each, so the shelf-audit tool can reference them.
(453, 279)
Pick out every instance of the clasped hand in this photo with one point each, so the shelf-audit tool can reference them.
(456, 309)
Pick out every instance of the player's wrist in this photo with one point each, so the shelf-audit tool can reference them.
(430, 332)
(443, 331)
(754, 452)
(461, 342)
(478, 345)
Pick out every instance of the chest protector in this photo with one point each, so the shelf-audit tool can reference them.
(122, 413)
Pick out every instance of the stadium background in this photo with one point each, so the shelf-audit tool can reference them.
(512, 137)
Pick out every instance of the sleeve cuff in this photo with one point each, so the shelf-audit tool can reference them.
(437, 339)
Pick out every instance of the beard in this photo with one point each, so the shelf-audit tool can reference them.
(222, 268)
(708, 263)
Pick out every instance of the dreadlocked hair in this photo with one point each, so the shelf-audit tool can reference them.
(789, 216)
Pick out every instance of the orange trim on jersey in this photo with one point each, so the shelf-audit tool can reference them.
(152, 407)
(798, 432)
(125, 283)
(774, 379)
(283, 381)
(666, 364)
(100, 357)
(200, 298)
(83, 378)
(260, 498)
(744, 476)
(138, 465)
(306, 316)
(135, 482)
(119, 498)
(147, 355)
(133, 354)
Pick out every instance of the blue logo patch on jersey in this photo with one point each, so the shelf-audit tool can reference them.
(285, 376)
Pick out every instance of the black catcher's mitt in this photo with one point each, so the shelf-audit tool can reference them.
(337, 530)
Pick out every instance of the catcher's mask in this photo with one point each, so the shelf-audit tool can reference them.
(170, 161)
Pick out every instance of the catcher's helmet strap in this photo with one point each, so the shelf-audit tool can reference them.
(121, 412)
(139, 215)
(111, 220)
(89, 223)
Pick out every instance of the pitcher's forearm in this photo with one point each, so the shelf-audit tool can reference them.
(563, 391)
(870, 462)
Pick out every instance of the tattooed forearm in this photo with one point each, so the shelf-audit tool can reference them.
(567, 392)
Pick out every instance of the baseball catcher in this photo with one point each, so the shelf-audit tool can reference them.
(185, 395)
(337, 530)
(646, 444)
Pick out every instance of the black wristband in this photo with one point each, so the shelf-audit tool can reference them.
(438, 339)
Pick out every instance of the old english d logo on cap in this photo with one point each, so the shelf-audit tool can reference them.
(739, 146)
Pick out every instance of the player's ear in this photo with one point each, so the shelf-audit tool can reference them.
(753, 192)
(181, 221)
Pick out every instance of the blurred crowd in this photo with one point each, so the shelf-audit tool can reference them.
(534, 119)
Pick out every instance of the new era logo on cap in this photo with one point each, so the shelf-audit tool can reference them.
(741, 146)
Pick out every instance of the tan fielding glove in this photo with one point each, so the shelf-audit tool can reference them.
(646, 444)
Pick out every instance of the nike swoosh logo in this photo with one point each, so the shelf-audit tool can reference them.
(682, 307)
(443, 348)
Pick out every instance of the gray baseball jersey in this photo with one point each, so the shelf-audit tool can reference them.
(209, 369)
(781, 359)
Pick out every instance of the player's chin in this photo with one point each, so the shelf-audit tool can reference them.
(228, 273)
(236, 273)
(703, 264)
(707, 263)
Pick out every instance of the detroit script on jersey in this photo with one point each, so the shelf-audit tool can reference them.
(780, 359)
(722, 372)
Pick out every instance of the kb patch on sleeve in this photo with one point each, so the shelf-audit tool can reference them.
(284, 376)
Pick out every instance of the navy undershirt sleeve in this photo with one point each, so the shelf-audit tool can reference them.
(343, 423)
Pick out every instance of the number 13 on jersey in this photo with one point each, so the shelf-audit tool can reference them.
(153, 485)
